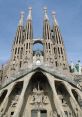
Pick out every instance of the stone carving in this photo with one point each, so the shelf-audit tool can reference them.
(38, 98)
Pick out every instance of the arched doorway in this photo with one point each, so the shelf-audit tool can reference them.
(38, 98)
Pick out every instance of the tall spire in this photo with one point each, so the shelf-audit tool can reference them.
(54, 18)
(28, 35)
(21, 19)
(59, 49)
(29, 29)
(45, 14)
(48, 55)
(46, 26)
(29, 14)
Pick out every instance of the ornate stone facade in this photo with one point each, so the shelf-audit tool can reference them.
(38, 83)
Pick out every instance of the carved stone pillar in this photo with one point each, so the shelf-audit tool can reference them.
(73, 102)
(38, 113)
(21, 98)
(57, 102)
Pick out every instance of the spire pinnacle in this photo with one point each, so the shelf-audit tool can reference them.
(45, 13)
(29, 14)
(54, 18)
(21, 19)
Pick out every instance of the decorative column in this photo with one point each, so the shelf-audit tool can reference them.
(58, 105)
(21, 99)
(38, 113)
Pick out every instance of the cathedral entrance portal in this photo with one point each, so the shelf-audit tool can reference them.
(38, 97)
(38, 113)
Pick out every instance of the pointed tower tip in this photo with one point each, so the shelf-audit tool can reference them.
(45, 9)
(30, 8)
(29, 13)
(54, 17)
(21, 19)
(22, 13)
(53, 13)
(45, 14)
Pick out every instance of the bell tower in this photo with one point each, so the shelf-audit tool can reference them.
(17, 50)
(58, 45)
(28, 39)
(53, 54)
(48, 53)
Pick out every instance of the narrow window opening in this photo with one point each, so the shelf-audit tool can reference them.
(56, 63)
(12, 113)
(27, 46)
(54, 50)
(46, 46)
(18, 50)
(15, 50)
(49, 45)
(21, 53)
(20, 64)
(58, 50)
(61, 51)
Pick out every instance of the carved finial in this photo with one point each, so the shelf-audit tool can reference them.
(45, 9)
(29, 14)
(54, 17)
(45, 13)
(21, 19)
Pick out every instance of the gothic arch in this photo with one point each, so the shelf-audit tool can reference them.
(38, 41)
(38, 45)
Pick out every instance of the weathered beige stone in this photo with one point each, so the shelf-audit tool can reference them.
(38, 83)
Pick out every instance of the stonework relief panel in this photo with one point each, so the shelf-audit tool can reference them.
(38, 101)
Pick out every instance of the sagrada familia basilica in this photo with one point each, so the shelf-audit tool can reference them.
(38, 83)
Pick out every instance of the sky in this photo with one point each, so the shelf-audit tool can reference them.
(69, 17)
